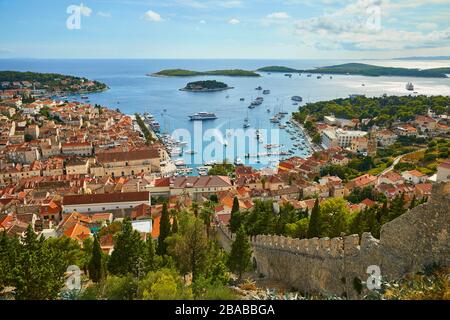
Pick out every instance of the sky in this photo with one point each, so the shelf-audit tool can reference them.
(221, 29)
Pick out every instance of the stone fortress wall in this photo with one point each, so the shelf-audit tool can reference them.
(407, 244)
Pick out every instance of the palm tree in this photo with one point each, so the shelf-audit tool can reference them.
(195, 207)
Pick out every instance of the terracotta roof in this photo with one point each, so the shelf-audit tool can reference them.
(128, 156)
(105, 198)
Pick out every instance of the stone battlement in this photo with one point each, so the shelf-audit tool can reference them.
(407, 244)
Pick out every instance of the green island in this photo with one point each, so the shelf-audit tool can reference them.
(206, 86)
(366, 70)
(51, 83)
(189, 73)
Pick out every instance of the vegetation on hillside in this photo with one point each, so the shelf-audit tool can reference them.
(330, 218)
(206, 85)
(382, 110)
(53, 81)
(366, 70)
(189, 73)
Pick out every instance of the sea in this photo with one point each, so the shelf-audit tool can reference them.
(133, 91)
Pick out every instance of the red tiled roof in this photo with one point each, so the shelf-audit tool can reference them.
(105, 198)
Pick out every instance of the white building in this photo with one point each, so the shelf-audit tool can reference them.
(91, 203)
(414, 176)
(340, 138)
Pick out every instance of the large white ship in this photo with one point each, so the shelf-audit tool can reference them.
(202, 116)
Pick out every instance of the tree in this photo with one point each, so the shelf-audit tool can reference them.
(164, 230)
(333, 215)
(174, 215)
(128, 253)
(38, 272)
(190, 246)
(397, 207)
(206, 215)
(150, 262)
(241, 253)
(314, 228)
(235, 218)
(164, 284)
(96, 265)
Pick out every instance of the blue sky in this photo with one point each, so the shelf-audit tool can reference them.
(274, 29)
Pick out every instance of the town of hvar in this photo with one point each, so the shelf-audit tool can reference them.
(224, 150)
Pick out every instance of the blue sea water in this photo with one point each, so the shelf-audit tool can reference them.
(132, 91)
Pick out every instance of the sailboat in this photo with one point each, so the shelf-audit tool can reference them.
(246, 122)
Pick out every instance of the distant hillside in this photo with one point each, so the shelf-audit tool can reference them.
(52, 82)
(189, 73)
(425, 58)
(277, 69)
(367, 70)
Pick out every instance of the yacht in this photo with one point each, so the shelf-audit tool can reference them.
(191, 152)
(259, 88)
(266, 92)
(297, 98)
(242, 99)
(238, 162)
(319, 77)
(409, 86)
(275, 120)
(268, 110)
(201, 116)
(179, 162)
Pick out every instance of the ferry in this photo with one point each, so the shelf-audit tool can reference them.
(409, 86)
(297, 98)
(202, 116)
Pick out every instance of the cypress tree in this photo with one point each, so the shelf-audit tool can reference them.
(235, 219)
(174, 222)
(314, 228)
(164, 230)
(96, 267)
(239, 260)
(149, 255)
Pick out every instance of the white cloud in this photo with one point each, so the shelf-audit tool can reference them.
(104, 14)
(234, 21)
(202, 22)
(85, 11)
(359, 26)
(278, 16)
(427, 26)
(153, 16)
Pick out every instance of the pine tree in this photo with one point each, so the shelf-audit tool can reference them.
(239, 260)
(413, 203)
(96, 266)
(314, 228)
(128, 252)
(397, 207)
(164, 230)
(38, 273)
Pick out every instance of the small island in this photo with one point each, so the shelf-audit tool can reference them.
(189, 73)
(206, 86)
(48, 84)
(362, 69)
